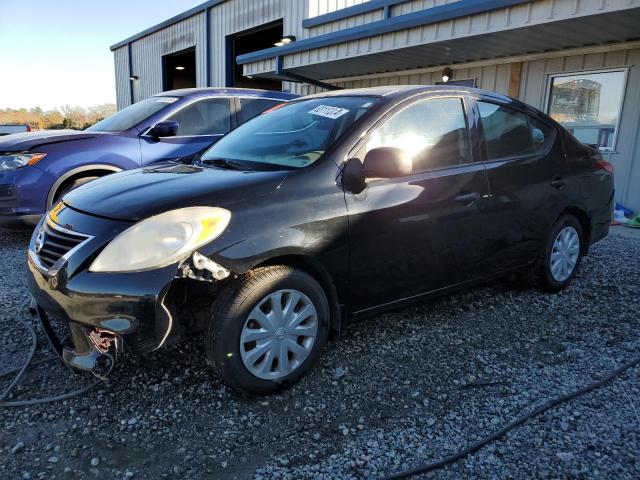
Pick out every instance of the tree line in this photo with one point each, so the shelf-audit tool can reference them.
(77, 118)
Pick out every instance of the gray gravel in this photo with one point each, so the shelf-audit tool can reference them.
(398, 389)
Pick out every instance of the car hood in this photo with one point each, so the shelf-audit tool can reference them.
(137, 194)
(20, 142)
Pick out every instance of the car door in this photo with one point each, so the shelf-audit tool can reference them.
(527, 175)
(423, 232)
(202, 122)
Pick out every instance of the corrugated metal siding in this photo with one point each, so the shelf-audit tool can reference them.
(490, 77)
(416, 5)
(236, 16)
(320, 7)
(626, 159)
(519, 16)
(121, 61)
(147, 52)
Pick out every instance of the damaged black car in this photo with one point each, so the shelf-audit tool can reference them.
(329, 208)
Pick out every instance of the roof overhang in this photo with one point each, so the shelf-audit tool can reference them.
(306, 59)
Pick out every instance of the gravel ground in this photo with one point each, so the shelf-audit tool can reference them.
(398, 389)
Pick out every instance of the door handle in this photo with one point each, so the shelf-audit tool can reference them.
(468, 198)
(558, 182)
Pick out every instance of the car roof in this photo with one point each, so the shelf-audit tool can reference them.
(235, 92)
(401, 91)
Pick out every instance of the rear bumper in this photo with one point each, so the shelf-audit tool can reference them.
(601, 220)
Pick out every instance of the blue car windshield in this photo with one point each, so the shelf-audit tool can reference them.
(132, 115)
(293, 135)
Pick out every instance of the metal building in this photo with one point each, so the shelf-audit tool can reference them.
(578, 60)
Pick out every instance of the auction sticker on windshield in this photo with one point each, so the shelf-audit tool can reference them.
(328, 111)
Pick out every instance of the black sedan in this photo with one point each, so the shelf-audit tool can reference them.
(326, 209)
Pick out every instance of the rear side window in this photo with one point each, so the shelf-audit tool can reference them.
(433, 132)
(204, 117)
(506, 131)
(542, 135)
(252, 107)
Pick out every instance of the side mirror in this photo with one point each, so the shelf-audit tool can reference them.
(164, 129)
(387, 162)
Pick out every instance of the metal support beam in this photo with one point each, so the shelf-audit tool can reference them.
(294, 77)
(131, 80)
(207, 47)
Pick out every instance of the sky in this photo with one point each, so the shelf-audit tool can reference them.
(56, 52)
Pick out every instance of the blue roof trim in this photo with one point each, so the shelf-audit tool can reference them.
(352, 11)
(189, 13)
(428, 16)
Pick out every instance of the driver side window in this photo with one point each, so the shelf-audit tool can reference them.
(433, 132)
(204, 117)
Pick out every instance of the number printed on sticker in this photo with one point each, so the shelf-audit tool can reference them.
(328, 111)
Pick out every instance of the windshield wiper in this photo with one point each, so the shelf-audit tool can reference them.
(226, 162)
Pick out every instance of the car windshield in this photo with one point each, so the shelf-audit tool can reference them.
(132, 115)
(294, 135)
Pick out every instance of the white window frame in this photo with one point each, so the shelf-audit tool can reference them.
(547, 97)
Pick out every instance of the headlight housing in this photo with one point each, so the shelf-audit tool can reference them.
(12, 161)
(162, 239)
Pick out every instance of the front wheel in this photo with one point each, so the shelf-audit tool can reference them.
(66, 188)
(268, 329)
(560, 260)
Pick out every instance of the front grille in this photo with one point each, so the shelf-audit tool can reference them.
(53, 243)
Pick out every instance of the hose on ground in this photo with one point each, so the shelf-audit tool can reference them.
(428, 467)
(21, 371)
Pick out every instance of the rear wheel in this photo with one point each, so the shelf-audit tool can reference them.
(560, 260)
(268, 329)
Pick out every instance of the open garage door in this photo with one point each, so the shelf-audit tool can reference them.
(179, 70)
(247, 41)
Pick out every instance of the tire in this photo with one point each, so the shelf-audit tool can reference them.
(242, 312)
(542, 274)
(71, 186)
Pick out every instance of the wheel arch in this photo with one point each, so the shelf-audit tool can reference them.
(585, 223)
(322, 276)
(78, 172)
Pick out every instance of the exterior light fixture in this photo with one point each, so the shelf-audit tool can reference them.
(285, 41)
(447, 73)
(179, 67)
(133, 77)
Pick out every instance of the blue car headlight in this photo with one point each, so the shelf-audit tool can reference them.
(12, 161)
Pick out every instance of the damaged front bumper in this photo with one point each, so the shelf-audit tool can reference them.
(93, 350)
(91, 318)
(99, 318)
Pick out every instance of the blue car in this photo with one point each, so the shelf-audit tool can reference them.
(38, 168)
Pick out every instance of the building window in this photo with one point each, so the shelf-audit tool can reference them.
(588, 105)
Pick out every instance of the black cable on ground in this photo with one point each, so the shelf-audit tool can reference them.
(511, 425)
(23, 369)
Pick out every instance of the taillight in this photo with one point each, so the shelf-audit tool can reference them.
(28, 128)
(604, 165)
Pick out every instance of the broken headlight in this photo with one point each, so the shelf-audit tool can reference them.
(162, 239)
